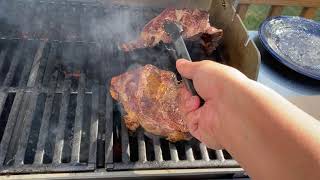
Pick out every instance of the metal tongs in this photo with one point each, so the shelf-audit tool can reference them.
(180, 50)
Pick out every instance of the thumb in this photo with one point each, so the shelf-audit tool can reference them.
(186, 68)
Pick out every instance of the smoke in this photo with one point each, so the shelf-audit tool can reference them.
(23, 19)
(56, 20)
(117, 26)
(107, 27)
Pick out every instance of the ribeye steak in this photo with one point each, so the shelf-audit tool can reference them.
(195, 25)
(152, 98)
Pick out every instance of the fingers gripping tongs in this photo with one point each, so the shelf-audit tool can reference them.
(175, 32)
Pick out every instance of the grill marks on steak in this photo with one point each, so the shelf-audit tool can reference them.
(152, 98)
(195, 25)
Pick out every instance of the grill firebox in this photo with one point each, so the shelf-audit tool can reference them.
(56, 113)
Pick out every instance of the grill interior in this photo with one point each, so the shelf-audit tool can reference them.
(56, 114)
(49, 106)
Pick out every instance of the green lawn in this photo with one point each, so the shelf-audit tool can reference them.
(257, 13)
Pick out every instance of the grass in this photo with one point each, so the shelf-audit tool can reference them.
(257, 13)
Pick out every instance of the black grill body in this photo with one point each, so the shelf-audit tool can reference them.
(56, 113)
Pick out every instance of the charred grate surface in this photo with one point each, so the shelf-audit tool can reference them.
(49, 104)
(56, 113)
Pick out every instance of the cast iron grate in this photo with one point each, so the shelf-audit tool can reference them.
(49, 106)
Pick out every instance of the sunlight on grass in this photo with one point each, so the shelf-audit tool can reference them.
(257, 14)
(292, 11)
(318, 15)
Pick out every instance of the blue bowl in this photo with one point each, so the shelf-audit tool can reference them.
(293, 41)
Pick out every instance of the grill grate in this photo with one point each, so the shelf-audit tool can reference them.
(56, 114)
(44, 128)
(152, 154)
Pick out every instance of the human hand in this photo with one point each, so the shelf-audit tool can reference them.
(251, 122)
(215, 83)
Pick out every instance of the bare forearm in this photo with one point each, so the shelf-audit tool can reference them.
(271, 138)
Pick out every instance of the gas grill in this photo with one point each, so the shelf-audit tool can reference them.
(56, 113)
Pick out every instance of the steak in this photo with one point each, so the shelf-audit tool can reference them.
(152, 98)
(195, 25)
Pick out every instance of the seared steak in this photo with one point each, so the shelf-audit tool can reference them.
(152, 98)
(195, 25)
